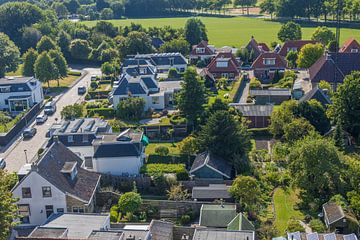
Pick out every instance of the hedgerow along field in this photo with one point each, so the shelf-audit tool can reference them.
(231, 31)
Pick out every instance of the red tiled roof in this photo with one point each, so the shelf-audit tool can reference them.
(232, 63)
(202, 44)
(264, 47)
(294, 44)
(350, 44)
(259, 62)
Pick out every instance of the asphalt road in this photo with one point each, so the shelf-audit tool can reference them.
(22, 151)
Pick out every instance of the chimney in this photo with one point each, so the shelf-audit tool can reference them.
(33, 167)
(56, 139)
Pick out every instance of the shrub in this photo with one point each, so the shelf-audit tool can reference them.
(74, 73)
(94, 85)
(185, 219)
(90, 105)
(182, 176)
(161, 168)
(162, 150)
(184, 159)
(317, 225)
(173, 73)
(255, 83)
(40, 151)
(103, 112)
(72, 111)
(98, 94)
(177, 120)
(130, 202)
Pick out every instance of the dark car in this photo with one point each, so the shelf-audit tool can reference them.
(81, 90)
(29, 132)
(2, 163)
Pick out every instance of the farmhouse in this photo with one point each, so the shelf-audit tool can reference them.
(19, 93)
(294, 45)
(55, 184)
(266, 66)
(203, 51)
(224, 65)
(350, 46)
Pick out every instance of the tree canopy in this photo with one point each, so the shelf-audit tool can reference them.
(309, 54)
(130, 202)
(9, 55)
(290, 31)
(195, 31)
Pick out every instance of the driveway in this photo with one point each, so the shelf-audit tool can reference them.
(15, 155)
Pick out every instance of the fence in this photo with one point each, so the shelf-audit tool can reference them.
(8, 137)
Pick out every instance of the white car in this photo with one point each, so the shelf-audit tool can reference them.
(41, 118)
(93, 78)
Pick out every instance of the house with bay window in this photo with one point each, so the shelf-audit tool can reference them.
(18, 94)
(57, 183)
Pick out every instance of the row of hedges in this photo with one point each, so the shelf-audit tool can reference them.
(102, 112)
(152, 169)
(104, 82)
(97, 95)
(175, 159)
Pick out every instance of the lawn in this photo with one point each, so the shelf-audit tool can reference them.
(285, 201)
(173, 148)
(63, 84)
(232, 31)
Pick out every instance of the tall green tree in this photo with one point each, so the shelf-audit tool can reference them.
(29, 59)
(195, 31)
(227, 136)
(315, 166)
(290, 31)
(30, 37)
(45, 69)
(131, 108)
(80, 49)
(130, 202)
(9, 55)
(246, 190)
(8, 209)
(60, 63)
(268, 6)
(309, 54)
(346, 105)
(291, 58)
(72, 112)
(323, 35)
(63, 41)
(46, 44)
(176, 45)
(191, 98)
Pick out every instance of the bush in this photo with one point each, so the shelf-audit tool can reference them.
(114, 215)
(317, 225)
(105, 82)
(103, 112)
(94, 85)
(162, 150)
(130, 202)
(72, 111)
(255, 83)
(161, 168)
(184, 159)
(182, 176)
(90, 105)
(177, 120)
(260, 132)
(98, 94)
(173, 73)
(185, 219)
(130, 109)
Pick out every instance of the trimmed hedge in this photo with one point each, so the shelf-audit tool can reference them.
(161, 168)
(98, 94)
(175, 159)
(103, 112)
(74, 73)
(260, 132)
(177, 120)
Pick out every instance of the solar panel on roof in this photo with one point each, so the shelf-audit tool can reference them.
(350, 237)
(312, 236)
(330, 236)
(294, 236)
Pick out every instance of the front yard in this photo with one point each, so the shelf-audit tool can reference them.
(63, 84)
(285, 201)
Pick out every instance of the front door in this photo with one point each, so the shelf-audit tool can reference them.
(49, 210)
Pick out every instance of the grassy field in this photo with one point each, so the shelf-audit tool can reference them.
(285, 202)
(173, 149)
(235, 31)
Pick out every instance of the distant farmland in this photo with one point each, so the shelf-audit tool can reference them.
(234, 31)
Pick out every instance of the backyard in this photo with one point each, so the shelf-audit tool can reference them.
(173, 148)
(285, 201)
(231, 31)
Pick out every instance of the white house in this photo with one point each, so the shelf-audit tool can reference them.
(19, 93)
(157, 95)
(122, 154)
(55, 184)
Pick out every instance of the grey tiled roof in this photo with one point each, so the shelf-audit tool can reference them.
(317, 94)
(51, 164)
(213, 191)
(161, 230)
(210, 159)
(333, 212)
(217, 234)
(255, 110)
(271, 92)
(117, 150)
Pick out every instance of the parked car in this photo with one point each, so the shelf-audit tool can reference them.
(50, 108)
(81, 90)
(2, 163)
(41, 118)
(29, 132)
(93, 78)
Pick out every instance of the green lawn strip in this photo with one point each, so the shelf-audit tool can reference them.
(173, 148)
(285, 201)
(235, 31)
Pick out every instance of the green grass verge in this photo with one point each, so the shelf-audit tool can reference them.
(285, 201)
(173, 148)
(235, 31)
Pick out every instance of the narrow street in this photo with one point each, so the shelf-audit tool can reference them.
(22, 151)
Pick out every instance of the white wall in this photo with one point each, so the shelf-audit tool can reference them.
(37, 202)
(159, 106)
(118, 165)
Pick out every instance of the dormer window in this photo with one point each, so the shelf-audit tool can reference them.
(269, 61)
(69, 170)
(222, 64)
(354, 50)
(200, 50)
(294, 49)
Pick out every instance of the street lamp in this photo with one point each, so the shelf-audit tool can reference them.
(26, 159)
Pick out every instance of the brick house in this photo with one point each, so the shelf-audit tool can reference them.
(350, 46)
(55, 184)
(267, 64)
(203, 51)
(294, 45)
(224, 65)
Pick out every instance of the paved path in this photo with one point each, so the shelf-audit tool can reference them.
(15, 156)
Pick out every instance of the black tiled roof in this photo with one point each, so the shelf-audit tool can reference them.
(122, 89)
(317, 94)
(117, 150)
(136, 88)
(212, 160)
(51, 164)
(255, 110)
(149, 82)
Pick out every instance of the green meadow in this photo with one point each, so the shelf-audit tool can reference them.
(232, 31)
